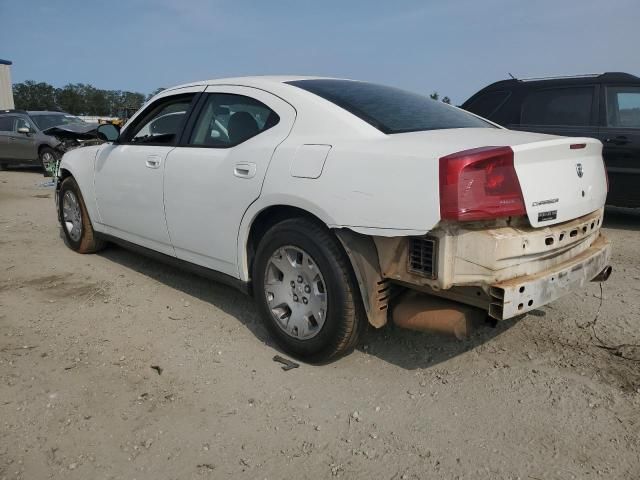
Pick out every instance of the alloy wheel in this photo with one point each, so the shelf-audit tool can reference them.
(295, 292)
(71, 215)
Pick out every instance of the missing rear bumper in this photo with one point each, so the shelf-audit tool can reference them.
(520, 295)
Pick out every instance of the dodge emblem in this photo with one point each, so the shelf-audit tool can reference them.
(579, 170)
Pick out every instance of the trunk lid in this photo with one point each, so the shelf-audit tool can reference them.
(548, 168)
(560, 182)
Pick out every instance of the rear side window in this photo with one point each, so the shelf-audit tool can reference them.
(488, 103)
(390, 110)
(558, 106)
(6, 124)
(227, 120)
(623, 107)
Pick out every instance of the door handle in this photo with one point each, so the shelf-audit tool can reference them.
(619, 140)
(153, 161)
(244, 170)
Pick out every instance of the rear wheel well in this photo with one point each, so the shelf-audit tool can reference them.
(266, 219)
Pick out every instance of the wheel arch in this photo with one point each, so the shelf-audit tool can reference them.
(260, 222)
(360, 249)
(79, 164)
(44, 145)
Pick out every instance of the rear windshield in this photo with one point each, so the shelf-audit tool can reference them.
(389, 109)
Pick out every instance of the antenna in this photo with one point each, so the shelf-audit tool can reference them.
(512, 77)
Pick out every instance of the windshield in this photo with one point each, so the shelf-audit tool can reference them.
(48, 120)
(391, 110)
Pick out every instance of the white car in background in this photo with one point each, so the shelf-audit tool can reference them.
(338, 202)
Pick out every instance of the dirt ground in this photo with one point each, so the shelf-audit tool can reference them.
(534, 398)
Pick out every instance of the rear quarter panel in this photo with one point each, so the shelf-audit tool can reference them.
(364, 186)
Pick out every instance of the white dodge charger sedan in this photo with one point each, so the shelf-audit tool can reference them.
(338, 203)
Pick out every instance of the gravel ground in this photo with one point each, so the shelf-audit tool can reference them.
(535, 398)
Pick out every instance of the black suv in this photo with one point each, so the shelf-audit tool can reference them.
(605, 106)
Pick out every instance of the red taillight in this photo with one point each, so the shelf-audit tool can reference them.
(479, 184)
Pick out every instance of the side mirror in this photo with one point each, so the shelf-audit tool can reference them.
(25, 130)
(108, 132)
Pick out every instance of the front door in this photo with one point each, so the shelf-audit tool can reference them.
(620, 136)
(18, 145)
(218, 170)
(129, 173)
(24, 144)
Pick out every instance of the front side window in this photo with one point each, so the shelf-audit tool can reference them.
(22, 123)
(227, 120)
(162, 122)
(389, 109)
(623, 107)
(558, 106)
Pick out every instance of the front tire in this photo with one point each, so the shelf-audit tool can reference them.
(47, 159)
(306, 291)
(74, 219)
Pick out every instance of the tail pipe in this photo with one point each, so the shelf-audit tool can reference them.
(604, 275)
(437, 315)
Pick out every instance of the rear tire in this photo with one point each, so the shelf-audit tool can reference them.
(47, 159)
(74, 219)
(300, 268)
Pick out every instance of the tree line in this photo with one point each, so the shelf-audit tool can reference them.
(436, 96)
(76, 98)
(85, 99)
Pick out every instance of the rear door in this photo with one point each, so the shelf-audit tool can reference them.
(6, 129)
(218, 170)
(620, 135)
(567, 111)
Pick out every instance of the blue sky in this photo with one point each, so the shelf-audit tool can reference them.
(455, 47)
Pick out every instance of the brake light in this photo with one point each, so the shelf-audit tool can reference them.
(479, 184)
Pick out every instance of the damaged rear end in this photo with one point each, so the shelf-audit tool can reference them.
(520, 227)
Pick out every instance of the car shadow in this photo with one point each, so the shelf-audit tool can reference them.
(26, 169)
(622, 218)
(404, 348)
(227, 299)
(413, 350)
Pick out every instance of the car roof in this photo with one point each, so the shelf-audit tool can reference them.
(12, 112)
(254, 81)
(46, 112)
(298, 98)
(608, 77)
